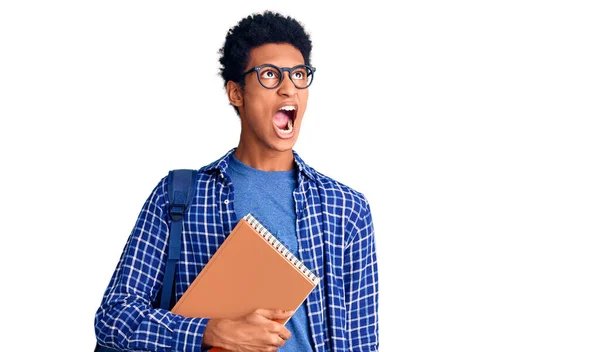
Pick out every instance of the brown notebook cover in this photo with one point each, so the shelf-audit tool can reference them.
(250, 270)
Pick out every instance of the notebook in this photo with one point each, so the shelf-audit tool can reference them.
(251, 269)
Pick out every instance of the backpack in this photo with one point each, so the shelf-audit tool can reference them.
(181, 189)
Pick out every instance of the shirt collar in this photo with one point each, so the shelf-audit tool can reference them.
(222, 164)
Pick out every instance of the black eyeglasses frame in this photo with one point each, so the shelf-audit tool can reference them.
(281, 70)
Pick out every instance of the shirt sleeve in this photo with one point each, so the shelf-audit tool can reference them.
(361, 286)
(126, 319)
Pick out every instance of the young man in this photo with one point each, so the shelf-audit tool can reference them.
(327, 225)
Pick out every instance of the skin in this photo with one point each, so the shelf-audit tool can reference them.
(257, 331)
(261, 147)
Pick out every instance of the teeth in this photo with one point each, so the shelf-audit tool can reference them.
(290, 124)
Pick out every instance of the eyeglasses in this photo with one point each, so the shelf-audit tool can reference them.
(271, 76)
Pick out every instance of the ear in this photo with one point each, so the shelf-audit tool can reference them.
(235, 94)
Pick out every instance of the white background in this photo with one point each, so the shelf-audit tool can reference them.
(471, 127)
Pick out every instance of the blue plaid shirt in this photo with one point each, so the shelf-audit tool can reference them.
(335, 241)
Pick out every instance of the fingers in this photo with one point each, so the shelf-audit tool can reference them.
(274, 314)
(277, 341)
(279, 334)
(284, 333)
(280, 331)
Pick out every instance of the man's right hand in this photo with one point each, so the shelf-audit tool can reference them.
(255, 332)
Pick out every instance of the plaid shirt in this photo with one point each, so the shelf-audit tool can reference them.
(335, 241)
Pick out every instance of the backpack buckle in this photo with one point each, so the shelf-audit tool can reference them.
(176, 211)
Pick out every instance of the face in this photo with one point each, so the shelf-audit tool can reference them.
(271, 118)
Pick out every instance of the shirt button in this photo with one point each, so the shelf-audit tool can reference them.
(226, 201)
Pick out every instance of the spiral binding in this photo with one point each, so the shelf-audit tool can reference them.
(281, 248)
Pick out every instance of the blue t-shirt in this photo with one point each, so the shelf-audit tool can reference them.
(268, 196)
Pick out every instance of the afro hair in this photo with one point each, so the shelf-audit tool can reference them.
(256, 30)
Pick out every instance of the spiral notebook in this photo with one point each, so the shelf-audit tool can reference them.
(252, 269)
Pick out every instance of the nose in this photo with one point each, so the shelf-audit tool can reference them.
(287, 87)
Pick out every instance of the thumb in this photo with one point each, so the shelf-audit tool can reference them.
(275, 314)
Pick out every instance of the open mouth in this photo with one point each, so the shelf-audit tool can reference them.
(284, 119)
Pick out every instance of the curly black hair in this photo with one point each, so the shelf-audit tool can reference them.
(256, 30)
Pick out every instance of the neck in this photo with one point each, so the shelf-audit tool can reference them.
(265, 159)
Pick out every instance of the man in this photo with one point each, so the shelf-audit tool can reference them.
(266, 69)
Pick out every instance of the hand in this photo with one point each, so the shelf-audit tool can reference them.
(255, 332)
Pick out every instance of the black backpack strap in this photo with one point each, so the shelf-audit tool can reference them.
(181, 189)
